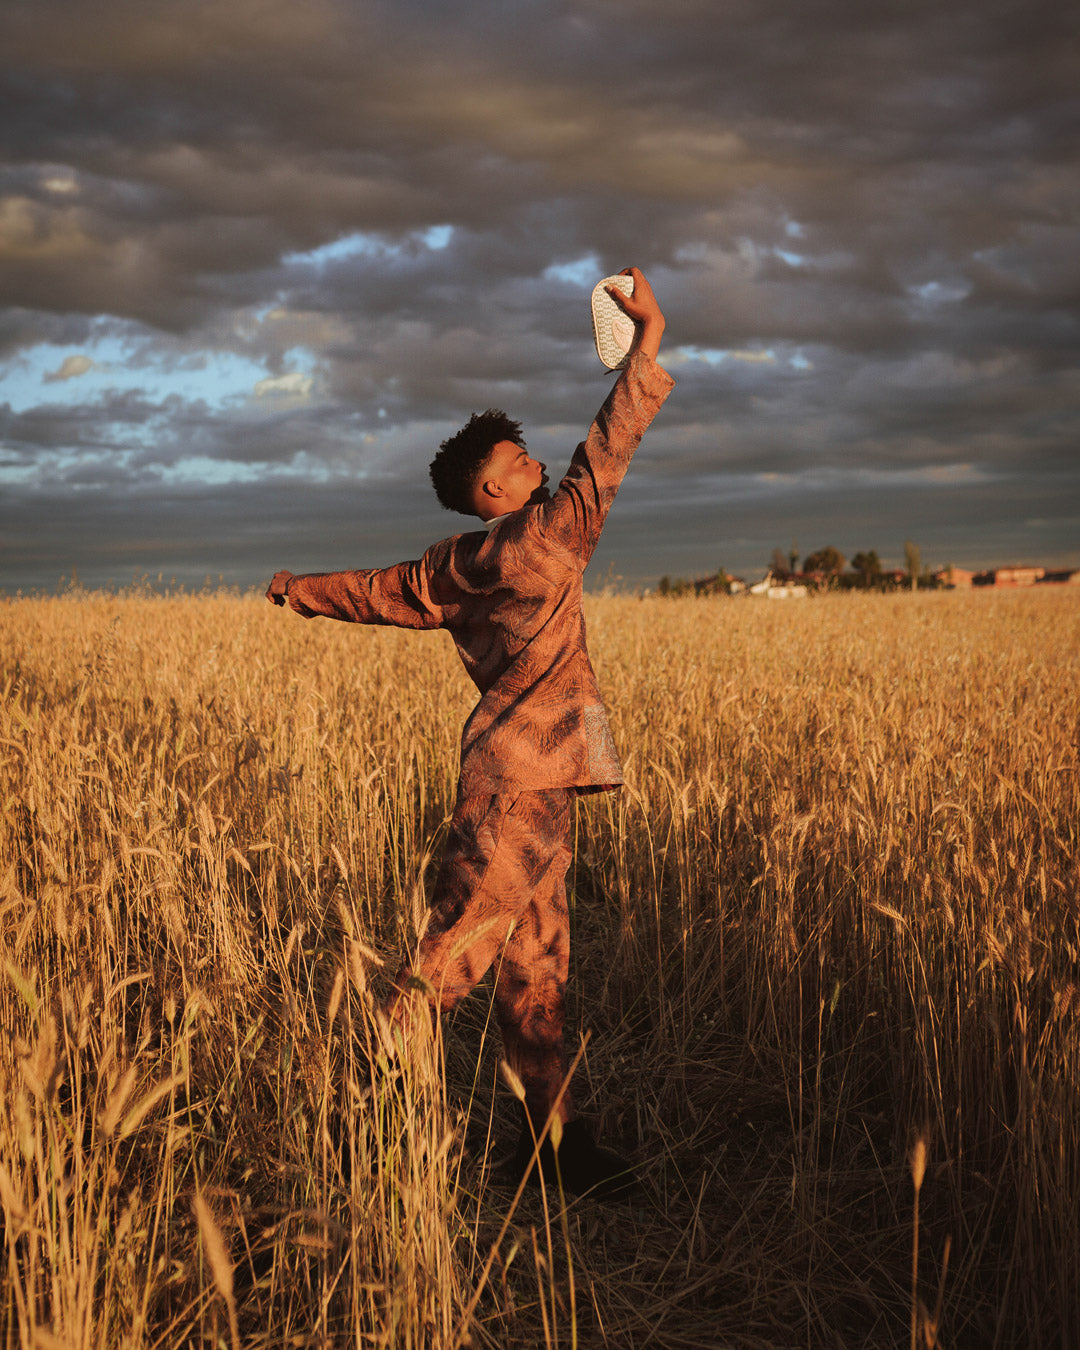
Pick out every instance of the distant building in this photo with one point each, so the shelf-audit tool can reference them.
(955, 578)
(1010, 576)
(721, 583)
(772, 588)
(1018, 576)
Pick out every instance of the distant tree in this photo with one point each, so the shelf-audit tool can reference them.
(680, 586)
(868, 566)
(828, 560)
(793, 556)
(913, 562)
(779, 564)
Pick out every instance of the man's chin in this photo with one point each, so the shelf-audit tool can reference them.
(540, 496)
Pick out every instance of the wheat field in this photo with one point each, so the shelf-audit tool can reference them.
(824, 983)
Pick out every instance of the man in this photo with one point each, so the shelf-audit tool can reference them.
(511, 598)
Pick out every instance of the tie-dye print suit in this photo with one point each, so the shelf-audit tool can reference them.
(511, 598)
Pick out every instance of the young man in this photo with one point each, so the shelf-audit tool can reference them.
(511, 597)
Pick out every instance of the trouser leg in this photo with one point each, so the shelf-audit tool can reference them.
(532, 968)
(500, 898)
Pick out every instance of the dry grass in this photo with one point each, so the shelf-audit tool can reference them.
(833, 915)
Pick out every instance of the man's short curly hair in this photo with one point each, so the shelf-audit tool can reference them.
(456, 468)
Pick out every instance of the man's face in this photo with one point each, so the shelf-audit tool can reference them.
(511, 479)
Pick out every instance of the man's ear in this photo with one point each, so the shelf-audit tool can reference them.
(492, 488)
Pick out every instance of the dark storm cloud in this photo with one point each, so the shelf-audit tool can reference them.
(872, 210)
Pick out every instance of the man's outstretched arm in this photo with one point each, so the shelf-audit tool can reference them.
(400, 596)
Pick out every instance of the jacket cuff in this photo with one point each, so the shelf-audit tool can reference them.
(303, 594)
(650, 375)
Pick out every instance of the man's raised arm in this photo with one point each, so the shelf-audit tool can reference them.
(575, 515)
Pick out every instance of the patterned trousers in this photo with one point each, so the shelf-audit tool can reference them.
(500, 903)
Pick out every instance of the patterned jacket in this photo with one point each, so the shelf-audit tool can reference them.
(511, 599)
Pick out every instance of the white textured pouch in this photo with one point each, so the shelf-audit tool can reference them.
(614, 331)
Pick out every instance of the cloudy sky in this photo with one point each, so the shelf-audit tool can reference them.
(258, 258)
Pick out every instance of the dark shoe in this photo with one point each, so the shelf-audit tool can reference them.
(584, 1168)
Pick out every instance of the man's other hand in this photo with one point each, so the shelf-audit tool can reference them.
(277, 591)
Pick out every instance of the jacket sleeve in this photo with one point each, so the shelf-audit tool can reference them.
(400, 596)
(575, 515)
